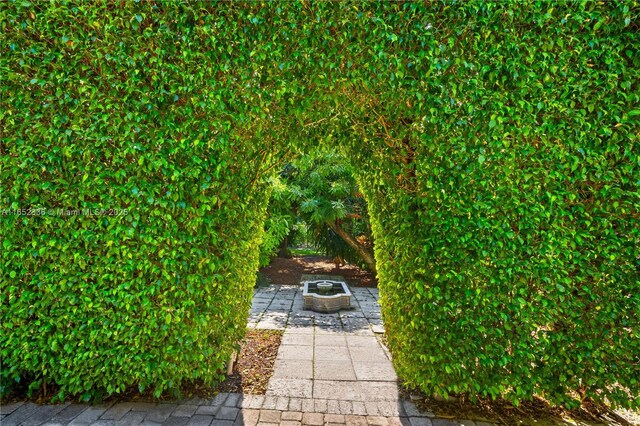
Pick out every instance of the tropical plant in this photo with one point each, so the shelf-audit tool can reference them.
(322, 193)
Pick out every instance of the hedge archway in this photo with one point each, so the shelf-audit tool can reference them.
(497, 147)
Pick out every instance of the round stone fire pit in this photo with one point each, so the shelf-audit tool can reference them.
(326, 295)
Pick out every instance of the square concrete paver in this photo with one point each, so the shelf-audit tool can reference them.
(371, 408)
(346, 407)
(332, 389)
(390, 408)
(368, 354)
(360, 331)
(308, 405)
(333, 370)
(362, 341)
(300, 326)
(295, 404)
(320, 405)
(297, 339)
(270, 402)
(380, 391)
(376, 371)
(359, 408)
(296, 327)
(328, 353)
(280, 306)
(273, 320)
(270, 324)
(355, 322)
(331, 340)
(282, 403)
(298, 388)
(327, 330)
(293, 369)
(295, 352)
(333, 407)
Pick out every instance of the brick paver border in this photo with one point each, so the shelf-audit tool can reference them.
(225, 409)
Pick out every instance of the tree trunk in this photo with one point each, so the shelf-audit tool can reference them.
(365, 254)
(283, 250)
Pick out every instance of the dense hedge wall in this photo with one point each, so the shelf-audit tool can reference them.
(506, 200)
(497, 146)
(122, 109)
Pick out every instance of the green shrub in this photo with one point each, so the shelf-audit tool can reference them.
(278, 222)
(506, 205)
(112, 107)
(317, 194)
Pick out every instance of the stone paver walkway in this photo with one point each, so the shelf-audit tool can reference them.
(279, 307)
(331, 369)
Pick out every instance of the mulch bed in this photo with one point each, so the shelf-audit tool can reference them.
(499, 411)
(254, 366)
(288, 271)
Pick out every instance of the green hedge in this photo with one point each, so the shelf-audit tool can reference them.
(119, 109)
(497, 146)
(506, 202)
